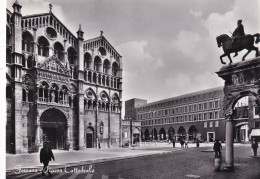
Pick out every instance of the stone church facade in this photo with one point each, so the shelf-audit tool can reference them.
(60, 88)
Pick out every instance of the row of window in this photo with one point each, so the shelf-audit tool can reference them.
(181, 110)
(185, 118)
(211, 124)
(201, 97)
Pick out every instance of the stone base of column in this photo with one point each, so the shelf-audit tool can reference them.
(82, 148)
(229, 168)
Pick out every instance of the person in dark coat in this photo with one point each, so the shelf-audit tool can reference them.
(239, 31)
(182, 143)
(254, 146)
(45, 157)
(217, 148)
(173, 143)
(198, 143)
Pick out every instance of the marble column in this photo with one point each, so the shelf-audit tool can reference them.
(229, 143)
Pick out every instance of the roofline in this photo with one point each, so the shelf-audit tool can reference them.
(100, 37)
(184, 95)
(50, 13)
(8, 11)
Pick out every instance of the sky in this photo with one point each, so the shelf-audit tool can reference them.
(168, 47)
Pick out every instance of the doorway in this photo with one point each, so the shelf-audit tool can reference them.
(210, 136)
(90, 138)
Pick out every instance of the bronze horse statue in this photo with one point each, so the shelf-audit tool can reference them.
(236, 45)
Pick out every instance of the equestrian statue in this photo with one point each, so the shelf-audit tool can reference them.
(239, 41)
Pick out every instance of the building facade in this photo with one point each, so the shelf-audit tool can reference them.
(130, 107)
(60, 88)
(197, 115)
(131, 133)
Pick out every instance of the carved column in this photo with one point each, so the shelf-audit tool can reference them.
(38, 137)
(27, 95)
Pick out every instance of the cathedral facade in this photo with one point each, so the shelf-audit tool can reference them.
(60, 88)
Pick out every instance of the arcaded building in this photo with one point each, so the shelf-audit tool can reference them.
(197, 115)
(60, 88)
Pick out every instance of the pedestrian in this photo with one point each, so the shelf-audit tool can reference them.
(198, 143)
(186, 144)
(173, 143)
(99, 146)
(254, 146)
(45, 156)
(217, 148)
(182, 143)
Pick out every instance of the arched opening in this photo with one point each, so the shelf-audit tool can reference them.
(106, 66)
(162, 134)
(72, 55)
(43, 92)
(181, 133)
(154, 135)
(30, 62)
(54, 93)
(115, 69)
(54, 128)
(87, 60)
(23, 61)
(59, 51)
(43, 47)
(97, 64)
(90, 137)
(245, 109)
(146, 135)
(192, 133)
(27, 42)
(171, 133)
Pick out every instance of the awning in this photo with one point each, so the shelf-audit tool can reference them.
(255, 132)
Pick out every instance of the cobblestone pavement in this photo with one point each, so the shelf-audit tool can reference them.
(186, 163)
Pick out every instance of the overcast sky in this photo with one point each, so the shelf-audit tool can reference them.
(168, 46)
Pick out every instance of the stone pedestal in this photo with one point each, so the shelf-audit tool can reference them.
(241, 79)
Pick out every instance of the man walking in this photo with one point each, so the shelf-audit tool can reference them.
(173, 143)
(254, 146)
(186, 143)
(45, 156)
(217, 148)
(182, 143)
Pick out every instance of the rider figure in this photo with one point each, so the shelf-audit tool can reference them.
(239, 32)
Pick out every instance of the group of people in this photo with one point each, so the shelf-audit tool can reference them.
(218, 147)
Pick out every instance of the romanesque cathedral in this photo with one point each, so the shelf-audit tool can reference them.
(60, 88)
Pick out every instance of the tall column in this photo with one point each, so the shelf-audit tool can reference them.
(81, 121)
(229, 143)
(38, 138)
(246, 133)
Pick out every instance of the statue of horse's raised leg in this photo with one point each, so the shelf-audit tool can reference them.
(230, 60)
(246, 54)
(221, 58)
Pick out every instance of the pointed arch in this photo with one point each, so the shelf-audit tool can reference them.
(106, 66)
(27, 42)
(97, 64)
(87, 60)
(72, 55)
(59, 51)
(43, 46)
(115, 69)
